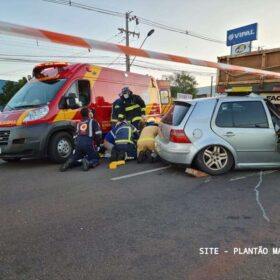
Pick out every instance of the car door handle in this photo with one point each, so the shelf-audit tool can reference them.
(229, 134)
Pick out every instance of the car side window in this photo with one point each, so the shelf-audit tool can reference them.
(275, 120)
(243, 114)
(225, 116)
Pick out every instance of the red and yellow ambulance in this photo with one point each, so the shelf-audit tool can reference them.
(39, 121)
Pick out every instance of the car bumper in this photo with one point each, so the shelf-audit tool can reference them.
(22, 141)
(174, 153)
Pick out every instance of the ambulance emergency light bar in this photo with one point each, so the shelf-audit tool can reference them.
(59, 38)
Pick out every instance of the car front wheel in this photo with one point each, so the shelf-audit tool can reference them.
(214, 160)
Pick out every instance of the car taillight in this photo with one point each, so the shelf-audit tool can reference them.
(179, 136)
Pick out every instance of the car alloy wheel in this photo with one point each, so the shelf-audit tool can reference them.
(214, 160)
(215, 157)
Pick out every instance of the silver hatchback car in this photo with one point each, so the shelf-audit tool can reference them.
(218, 134)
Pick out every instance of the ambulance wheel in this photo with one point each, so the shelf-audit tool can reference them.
(61, 147)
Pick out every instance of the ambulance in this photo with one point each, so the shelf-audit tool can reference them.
(40, 120)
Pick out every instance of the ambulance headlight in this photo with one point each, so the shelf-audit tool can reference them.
(36, 114)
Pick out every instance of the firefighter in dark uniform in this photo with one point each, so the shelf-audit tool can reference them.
(124, 136)
(117, 108)
(133, 107)
(88, 138)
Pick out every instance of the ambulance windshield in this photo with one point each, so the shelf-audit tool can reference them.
(35, 94)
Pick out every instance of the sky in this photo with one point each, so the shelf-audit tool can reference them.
(211, 19)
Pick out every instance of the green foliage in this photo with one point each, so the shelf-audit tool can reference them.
(10, 89)
(182, 83)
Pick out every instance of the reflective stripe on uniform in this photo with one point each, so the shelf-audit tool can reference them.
(90, 128)
(136, 119)
(143, 109)
(117, 106)
(125, 141)
(98, 132)
(132, 107)
(129, 133)
(120, 115)
(128, 140)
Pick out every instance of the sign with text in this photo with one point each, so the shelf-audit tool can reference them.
(241, 48)
(242, 34)
(184, 96)
(273, 97)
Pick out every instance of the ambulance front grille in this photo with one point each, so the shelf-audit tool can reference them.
(4, 137)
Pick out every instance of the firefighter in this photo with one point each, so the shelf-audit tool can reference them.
(146, 142)
(133, 107)
(117, 108)
(124, 136)
(88, 137)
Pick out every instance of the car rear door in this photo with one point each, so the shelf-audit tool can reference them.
(247, 127)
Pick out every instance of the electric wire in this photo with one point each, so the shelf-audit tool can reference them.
(150, 67)
(141, 19)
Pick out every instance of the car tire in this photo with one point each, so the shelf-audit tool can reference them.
(11, 159)
(61, 147)
(214, 160)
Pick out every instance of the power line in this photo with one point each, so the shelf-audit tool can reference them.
(87, 7)
(153, 67)
(141, 19)
(178, 30)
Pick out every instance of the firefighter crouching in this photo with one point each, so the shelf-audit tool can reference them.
(88, 136)
(146, 142)
(123, 136)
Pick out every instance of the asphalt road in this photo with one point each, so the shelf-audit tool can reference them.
(96, 225)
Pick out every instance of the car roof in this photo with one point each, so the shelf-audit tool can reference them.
(231, 97)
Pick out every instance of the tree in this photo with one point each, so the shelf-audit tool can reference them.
(182, 83)
(10, 89)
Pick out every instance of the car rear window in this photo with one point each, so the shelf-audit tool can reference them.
(176, 114)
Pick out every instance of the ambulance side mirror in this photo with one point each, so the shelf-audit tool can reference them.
(69, 102)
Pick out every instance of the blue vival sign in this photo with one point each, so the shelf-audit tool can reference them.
(242, 34)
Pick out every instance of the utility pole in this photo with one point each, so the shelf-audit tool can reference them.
(127, 58)
(127, 34)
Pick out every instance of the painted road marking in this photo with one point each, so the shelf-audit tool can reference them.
(254, 174)
(140, 173)
(237, 178)
(258, 197)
